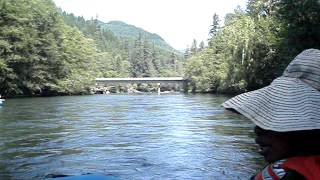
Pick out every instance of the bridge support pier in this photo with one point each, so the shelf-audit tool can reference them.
(159, 90)
(185, 86)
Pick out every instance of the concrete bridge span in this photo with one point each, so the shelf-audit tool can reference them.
(157, 80)
(143, 80)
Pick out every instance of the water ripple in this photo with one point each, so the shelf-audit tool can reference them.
(129, 136)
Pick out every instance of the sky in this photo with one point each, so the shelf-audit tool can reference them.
(178, 22)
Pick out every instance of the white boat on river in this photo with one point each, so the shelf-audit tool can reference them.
(1, 101)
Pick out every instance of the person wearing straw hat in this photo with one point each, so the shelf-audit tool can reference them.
(287, 118)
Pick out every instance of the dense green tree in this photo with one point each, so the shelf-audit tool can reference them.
(144, 62)
(254, 46)
(147, 65)
(262, 8)
(30, 45)
(146, 58)
(44, 51)
(201, 46)
(300, 22)
(137, 58)
(156, 63)
(186, 53)
(215, 25)
(194, 47)
(36, 49)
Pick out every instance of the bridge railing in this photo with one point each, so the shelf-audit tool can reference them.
(142, 80)
(159, 80)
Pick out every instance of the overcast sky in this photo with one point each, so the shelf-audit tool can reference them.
(178, 22)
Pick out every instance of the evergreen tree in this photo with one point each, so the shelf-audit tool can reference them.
(186, 53)
(44, 51)
(254, 46)
(215, 25)
(36, 50)
(147, 66)
(194, 47)
(201, 46)
(155, 61)
(300, 26)
(173, 61)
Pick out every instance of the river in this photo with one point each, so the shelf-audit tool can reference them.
(136, 137)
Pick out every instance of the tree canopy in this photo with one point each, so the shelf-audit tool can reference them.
(254, 45)
(44, 51)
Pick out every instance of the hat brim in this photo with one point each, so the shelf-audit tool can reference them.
(287, 104)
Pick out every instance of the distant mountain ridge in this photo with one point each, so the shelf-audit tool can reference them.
(124, 30)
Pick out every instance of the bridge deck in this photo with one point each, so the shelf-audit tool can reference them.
(142, 80)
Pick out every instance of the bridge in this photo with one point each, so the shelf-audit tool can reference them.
(157, 80)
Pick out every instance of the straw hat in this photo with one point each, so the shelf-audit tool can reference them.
(291, 102)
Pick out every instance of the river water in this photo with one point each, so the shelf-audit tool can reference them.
(138, 137)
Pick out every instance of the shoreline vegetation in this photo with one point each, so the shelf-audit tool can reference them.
(47, 52)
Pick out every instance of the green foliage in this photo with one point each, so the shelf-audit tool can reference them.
(254, 46)
(79, 56)
(38, 51)
(300, 22)
(215, 25)
(131, 33)
(137, 52)
(44, 51)
(194, 47)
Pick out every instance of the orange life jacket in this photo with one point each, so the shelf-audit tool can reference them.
(308, 166)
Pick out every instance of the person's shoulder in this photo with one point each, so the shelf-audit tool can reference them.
(276, 170)
(288, 175)
(293, 175)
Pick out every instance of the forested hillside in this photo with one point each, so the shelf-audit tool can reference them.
(254, 45)
(46, 52)
(140, 53)
(130, 32)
